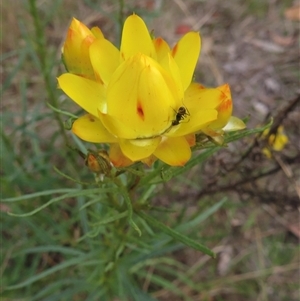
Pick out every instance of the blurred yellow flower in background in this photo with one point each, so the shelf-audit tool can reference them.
(275, 141)
(140, 98)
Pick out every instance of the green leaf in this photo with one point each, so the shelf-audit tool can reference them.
(168, 286)
(202, 216)
(51, 248)
(75, 193)
(128, 203)
(177, 235)
(61, 111)
(111, 219)
(65, 264)
(38, 194)
(169, 172)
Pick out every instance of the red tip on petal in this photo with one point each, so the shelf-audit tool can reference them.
(174, 50)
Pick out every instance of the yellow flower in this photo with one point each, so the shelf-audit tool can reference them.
(140, 99)
(276, 141)
(75, 51)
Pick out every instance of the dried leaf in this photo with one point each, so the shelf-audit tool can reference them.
(293, 13)
(295, 229)
(283, 41)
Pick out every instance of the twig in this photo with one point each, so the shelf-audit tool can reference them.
(282, 114)
(288, 172)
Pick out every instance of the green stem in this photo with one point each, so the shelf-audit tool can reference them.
(121, 18)
(43, 54)
(128, 204)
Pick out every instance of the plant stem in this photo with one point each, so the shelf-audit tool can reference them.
(121, 18)
(127, 200)
(46, 72)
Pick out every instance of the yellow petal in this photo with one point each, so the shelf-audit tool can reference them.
(267, 152)
(278, 140)
(191, 139)
(105, 58)
(186, 53)
(137, 150)
(136, 38)
(149, 161)
(224, 109)
(91, 129)
(196, 97)
(96, 31)
(116, 156)
(76, 49)
(234, 124)
(80, 29)
(139, 96)
(118, 128)
(193, 123)
(162, 48)
(169, 64)
(86, 93)
(173, 151)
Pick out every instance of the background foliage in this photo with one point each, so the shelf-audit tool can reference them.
(79, 247)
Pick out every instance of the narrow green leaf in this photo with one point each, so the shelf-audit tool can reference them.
(65, 264)
(61, 111)
(176, 235)
(70, 178)
(38, 194)
(202, 216)
(168, 286)
(60, 198)
(52, 248)
(111, 218)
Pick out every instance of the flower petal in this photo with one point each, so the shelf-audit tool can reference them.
(173, 151)
(234, 124)
(91, 129)
(137, 150)
(96, 31)
(116, 156)
(75, 51)
(186, 53)
(136, 38)
(196, 97)
(149, 161)
(104, 58)
(162, 48)
(86, 93)
(169, 64)
(191, 139)
(193, 123)
(278, 140)
(224, 109)
(117, 128)
(141, 87)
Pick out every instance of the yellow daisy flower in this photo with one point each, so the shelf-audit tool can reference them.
(140, 98)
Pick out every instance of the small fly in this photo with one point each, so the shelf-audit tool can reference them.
(181, 114)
